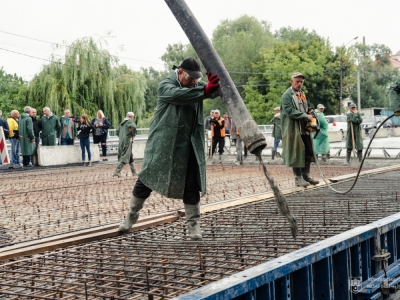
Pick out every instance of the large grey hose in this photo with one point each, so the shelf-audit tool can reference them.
(249, 132)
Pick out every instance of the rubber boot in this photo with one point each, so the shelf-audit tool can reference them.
(220, 158)
(133, 169)
(348, 155)
(273, 154)
(298, 179)
(359, 155)
(323, 157)
(192, 216)
(135, 206)
(305, 172)
(118, 169)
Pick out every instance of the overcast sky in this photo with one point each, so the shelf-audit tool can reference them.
(139, 31)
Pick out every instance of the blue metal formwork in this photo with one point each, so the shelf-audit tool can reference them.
(361, 263)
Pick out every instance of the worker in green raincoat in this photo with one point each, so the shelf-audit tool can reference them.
(50, 127)
(174, 159)
(321, 142)
(297, 148)
(26, 137)
(126, 132)
(394, 96)
(354, 121)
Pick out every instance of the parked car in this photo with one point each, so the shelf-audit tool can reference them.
(373, 122)
(337, 123)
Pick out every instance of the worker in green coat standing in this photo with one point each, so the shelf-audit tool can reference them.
(321, 142)
(50, 127)
(126, 132)
(174, 159)
(297, 148)
(354, 137)
(394, 97)
(26, 137)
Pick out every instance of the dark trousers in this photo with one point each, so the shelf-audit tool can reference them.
(66, 141)
(308, 154)
(221, 143)
(102, 139)
(85, 144)
(26, 159)
(191, 194)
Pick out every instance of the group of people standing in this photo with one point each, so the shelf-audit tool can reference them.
(26, 133)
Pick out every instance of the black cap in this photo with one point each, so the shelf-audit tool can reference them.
(192, 67)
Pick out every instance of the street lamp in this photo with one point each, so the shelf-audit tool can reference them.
(341, 75)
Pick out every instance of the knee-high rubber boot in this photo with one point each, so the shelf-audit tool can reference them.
(192, 216)
(298, 180)
(133, 215)
(273, 154)
(133, 169)
(359, 155)
(118, 169)
(305, 172)
(348, 154)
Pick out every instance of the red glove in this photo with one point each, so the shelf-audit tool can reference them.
(212, 85)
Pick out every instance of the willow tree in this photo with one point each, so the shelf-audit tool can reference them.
(86, 80)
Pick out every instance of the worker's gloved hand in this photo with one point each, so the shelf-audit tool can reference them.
(212, 85)
(397, 113)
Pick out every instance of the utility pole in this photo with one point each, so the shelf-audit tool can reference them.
(341, 75)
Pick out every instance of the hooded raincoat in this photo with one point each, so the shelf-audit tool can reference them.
(50, 130)
(356, 120)
(321, 143)
(291, 117)
(26, 134)
(126, 131)
(176, 125)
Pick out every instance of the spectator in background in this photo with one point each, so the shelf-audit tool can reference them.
(50, 127)
(228, 129)
(37, 126)
(238, 143)
(277, 131)
(14, 136)
(100, 126)
(68, 129)
(85, 128)
(354, 137)
(126, 132)
(218, 133)
(4, 124)
(207, 125)
(321, 142)
(26, 137)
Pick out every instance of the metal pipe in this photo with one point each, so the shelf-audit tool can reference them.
(249, 132)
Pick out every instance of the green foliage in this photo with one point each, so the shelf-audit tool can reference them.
(89, 79)
(13, 91)
(307, 53)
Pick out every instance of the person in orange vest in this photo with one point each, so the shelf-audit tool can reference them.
(218, 133)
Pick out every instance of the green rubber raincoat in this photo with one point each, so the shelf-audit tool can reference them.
(356, 120)
(50, 130)
(321, 143)
(394, 95)
(177, 124)
(25, 129)
(291, 117)
(126, 131)
(277, 131)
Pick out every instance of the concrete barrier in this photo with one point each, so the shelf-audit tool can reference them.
(335, 136)
(382, 133)
(62, 155)
(395, 131)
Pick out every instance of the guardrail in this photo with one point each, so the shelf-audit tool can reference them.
(361, 263)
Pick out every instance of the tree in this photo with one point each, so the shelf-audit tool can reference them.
(295, 50)
(89, 79)
(13, 93)
(376, 74)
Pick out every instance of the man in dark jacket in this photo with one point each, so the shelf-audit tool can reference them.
(174, 159)
(26, 137)
(37, 125)
(126, 132)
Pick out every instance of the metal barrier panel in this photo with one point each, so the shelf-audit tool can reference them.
(361, 263)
